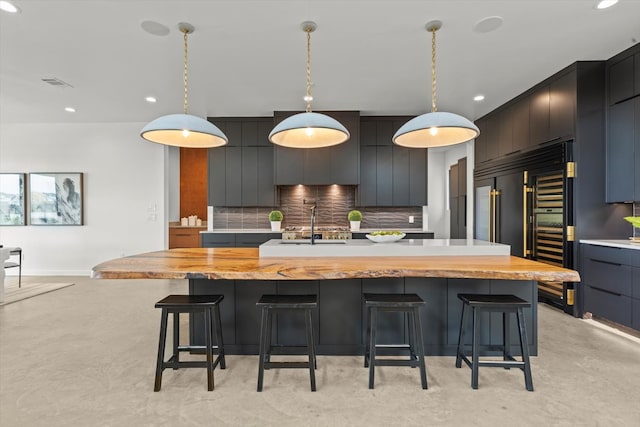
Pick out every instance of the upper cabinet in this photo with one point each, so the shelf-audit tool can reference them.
(320, 166)
(241, 172)
(390, 175)
(545, 114)
(623, 126)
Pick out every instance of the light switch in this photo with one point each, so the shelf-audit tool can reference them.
(410, 219)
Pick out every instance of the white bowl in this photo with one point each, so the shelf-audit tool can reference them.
(386, 238)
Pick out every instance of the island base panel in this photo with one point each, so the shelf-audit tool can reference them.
(339, 321)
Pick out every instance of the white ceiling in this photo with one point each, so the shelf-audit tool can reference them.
(248, 57)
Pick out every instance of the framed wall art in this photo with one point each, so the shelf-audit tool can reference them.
(12, 199)
(56, 198)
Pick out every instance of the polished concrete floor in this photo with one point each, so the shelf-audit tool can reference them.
(84, 356)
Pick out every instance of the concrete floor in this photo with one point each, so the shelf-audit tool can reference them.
(85, 356)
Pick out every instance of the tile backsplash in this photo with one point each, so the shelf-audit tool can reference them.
(333, 201)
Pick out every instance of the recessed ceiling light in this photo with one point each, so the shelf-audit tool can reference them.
(8, 7)
(603, 4)
(478, 98)
(155, 28)
(488, 24)
(69, 109)
(151, 99)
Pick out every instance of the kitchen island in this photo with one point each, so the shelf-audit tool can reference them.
(242, 276)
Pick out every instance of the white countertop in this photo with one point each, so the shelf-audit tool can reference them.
(624, 244)
(365, 247)
(268, 230)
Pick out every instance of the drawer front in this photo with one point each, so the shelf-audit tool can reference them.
(253, 240)
(616, 308)
(634, 257)
(218, 240)
(184, 240)
(608, 254)
(635, 313)
(635, 284)
(610, 277)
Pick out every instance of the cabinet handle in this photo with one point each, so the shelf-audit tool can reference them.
(606, 262)
(605, 291)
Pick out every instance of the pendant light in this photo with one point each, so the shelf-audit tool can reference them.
(437, 128)
(184, 130)
(308, 129)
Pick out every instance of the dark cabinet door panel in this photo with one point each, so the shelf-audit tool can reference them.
(636, 146)
(337, 300)
(539, 116)
(266, 186)
(401, 177)
(510, 211)
(368, 173)
(384, 176)
(249, 177)
(620, 145)
(289, 166)
(234, 175)
(621, 80)
(217, 177)
(562, 99)
(610, 306)
(418, 167)
(520, 122)
(317, 166)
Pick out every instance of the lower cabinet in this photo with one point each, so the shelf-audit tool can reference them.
(184, 237)
(611, 283)
(236, 240)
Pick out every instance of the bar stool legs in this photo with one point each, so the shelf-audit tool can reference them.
(270, 303)
(408, 304)
(506, 304)
(208, 305)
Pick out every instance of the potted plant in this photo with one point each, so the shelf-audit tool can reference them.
(276, 220)
(354, 218)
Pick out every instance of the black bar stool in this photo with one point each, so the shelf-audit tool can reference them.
(409, 304)
(271, 303)
(506, 304)
(209, 305)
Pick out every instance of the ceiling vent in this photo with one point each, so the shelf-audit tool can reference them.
(56, 82)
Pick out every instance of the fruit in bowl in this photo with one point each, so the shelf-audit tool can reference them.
(385, 236)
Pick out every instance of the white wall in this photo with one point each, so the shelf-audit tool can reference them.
(440, 160)
(124, 180)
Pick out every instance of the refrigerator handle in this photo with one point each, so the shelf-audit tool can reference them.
(526, 252)
(493, 216)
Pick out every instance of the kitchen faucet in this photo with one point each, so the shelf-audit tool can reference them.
(313, 218)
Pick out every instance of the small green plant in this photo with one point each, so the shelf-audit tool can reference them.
(354, 215)
(275, 216)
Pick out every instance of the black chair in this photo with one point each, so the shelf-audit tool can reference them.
(12, 264)
(271, 303)
(406, 303)
(209, 306)
(505, 304)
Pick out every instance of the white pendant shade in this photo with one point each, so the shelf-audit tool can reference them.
(309, 130)
(435, 130)
(184, 130)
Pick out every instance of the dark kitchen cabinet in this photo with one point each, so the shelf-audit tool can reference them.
(504, 132)
(390, 175)
(552, 109)
(611, 281)
(623, 127)
(236, 240)
(218, 240)
(621, 79)
(339, 164)
(623, 147)
(458, 199)
(545, 114)
(241, 173)
(520, 125)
